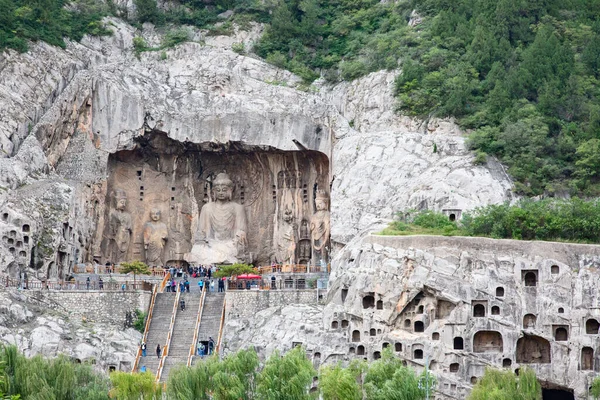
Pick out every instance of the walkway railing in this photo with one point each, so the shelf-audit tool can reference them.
(165, 351)
(102, 269)
(288, 283)
(146, 328)
(193, 347)
(77, 285)
(220, 337)
(293, 268)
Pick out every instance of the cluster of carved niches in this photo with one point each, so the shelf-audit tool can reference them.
(16, 241)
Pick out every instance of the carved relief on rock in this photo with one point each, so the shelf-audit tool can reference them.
(320, 228)
(119, 230)
(287, 238)
(221, 232)
(155, 237)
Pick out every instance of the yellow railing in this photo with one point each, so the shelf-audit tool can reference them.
(163, 283)
(146, 327)
(220, 337)
(196, 329)
(165, 351)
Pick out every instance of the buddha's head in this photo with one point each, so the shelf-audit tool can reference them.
(120, 199)
(155, 214)
(322, 201)
(223, 187)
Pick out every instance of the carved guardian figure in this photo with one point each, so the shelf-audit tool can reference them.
(155, 237)
(119, 232)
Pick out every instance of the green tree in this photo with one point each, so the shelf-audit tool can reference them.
(595, 390)
(234, 270)
(387, 378)
(137, 267)
(130, 386)
(588, 159)
(337, 383)
(287, 377)
(505, 385)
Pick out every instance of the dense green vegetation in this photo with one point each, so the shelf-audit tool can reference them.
(573, 220)
(505, 385)
(521, 75)
(49, 20)
(239, 376)
(40, 378)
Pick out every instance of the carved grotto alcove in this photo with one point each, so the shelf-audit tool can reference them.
(275, 203)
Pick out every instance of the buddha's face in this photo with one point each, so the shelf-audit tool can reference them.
(121, 203)
(223, 192)
(321, 205)
(155, 215)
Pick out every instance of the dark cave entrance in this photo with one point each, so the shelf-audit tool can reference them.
(557, 394)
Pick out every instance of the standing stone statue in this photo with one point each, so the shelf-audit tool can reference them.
(287, 239)
(155, 237)
(119, 228)
(221, 233)
(320, 228)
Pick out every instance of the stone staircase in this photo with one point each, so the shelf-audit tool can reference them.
(158, 330)
(211, 318)
(183, 333)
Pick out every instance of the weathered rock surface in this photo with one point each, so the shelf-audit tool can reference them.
(29, 323)
(457, 305)
(67, 111)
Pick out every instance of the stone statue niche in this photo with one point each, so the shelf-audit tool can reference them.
(286, 238)
(155, 237)
(118, 234)
(320, 229)
(221, 233)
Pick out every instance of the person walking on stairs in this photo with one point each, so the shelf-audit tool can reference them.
(158, 351)
(143, 349)
(182, 304)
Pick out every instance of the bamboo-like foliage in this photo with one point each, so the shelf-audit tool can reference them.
(287, 377)
(337, 383)
(128, 386)
(38, 378)
(595, 390)
(505, 385)
(388, 379)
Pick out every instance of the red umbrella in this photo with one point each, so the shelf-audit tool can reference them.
(249, 276)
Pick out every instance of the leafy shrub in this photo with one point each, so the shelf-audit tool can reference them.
(140, 321)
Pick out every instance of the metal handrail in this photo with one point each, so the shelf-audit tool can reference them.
(220, 337)
(165, 352)
(196, 328)
(146, 327)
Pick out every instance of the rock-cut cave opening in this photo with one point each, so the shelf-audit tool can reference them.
(557, 394)
(162, 186)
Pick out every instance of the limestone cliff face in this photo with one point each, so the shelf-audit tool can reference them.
(456, 305)
(67, 111)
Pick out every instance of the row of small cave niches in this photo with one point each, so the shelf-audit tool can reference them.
(530, 349)
(17, 242)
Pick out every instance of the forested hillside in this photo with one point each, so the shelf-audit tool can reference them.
(521, 75)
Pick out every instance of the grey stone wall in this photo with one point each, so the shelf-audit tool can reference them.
(95, 306)
(245, 303)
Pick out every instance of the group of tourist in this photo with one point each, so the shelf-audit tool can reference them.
(208, 349)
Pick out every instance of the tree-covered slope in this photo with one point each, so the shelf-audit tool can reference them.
(521, 75)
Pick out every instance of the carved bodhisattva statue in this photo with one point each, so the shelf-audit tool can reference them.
(221, 233)
(119, 228)
(155, 238)
(320, 228)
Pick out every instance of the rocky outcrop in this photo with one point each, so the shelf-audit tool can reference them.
(454, 305)
(38, 325)
(65, 117)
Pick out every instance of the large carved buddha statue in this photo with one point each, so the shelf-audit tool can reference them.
(155, 236)
(221, 233)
